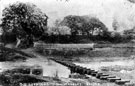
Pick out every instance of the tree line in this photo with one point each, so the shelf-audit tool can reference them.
(27, 22)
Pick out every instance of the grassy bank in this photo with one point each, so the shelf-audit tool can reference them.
(8, 54)
(99, 51)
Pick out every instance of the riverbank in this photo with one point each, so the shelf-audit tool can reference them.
(99, 61)
(51, 69)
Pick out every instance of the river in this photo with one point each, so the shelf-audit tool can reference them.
(50, 68)
(98, 65)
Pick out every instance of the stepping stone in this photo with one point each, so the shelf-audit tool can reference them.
(104, 74)
(75, 69)
(98, 75)
(101, 75)
(84, 71)
(89, 71)
(103, 78)
(106, 77)
(68, 65)
(94, 73)
(84, 67)
(71, 65)
(80, 70)
(113, 79)
(110, 76)
(121, 82)
(129, 84)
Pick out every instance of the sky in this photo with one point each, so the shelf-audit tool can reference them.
(106, 10)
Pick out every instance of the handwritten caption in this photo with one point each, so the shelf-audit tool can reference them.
(58, 84)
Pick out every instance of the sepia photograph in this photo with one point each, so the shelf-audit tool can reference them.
(67, 42)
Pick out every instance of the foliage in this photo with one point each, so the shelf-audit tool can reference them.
(84, 25)
(73, 22)
(24, 19)
(129, 34)
(115, 24)
(8, 37)
(61, 30)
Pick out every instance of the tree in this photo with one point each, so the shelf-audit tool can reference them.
(57, 22)
(60, 30)
(84, 25)
(129, 34)
(8, 37)
(94, 26)
(115, 24)
(25, 20)
(73, 22)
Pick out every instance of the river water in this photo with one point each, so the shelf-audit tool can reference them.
(50, 68)
(98, 65)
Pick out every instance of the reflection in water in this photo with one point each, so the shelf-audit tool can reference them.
(50, 68)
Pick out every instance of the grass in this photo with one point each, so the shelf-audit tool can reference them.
(63, 49)
(101, 50)
(61, 52)
(12, 57)
(8, 54)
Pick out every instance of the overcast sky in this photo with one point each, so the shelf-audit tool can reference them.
(106, 10)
